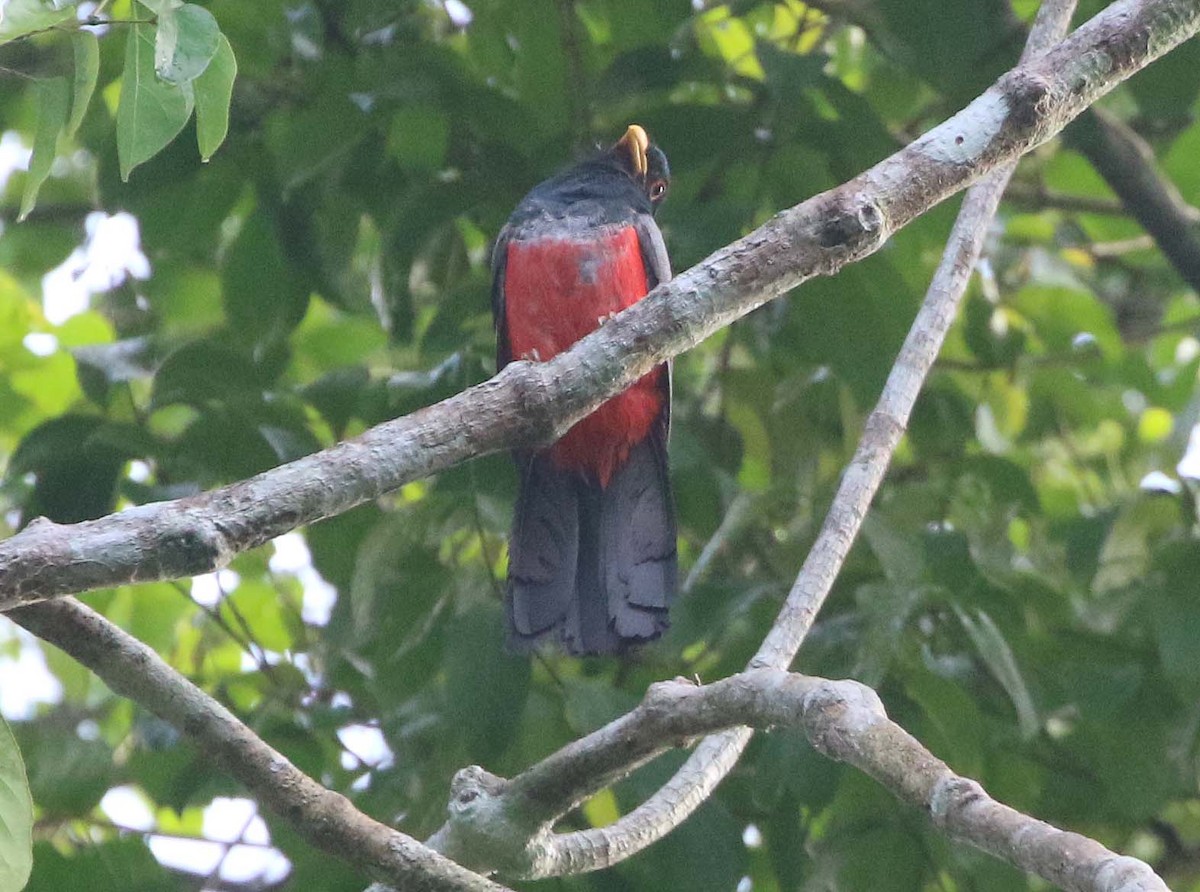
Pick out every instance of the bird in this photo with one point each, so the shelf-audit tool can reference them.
(592, 552)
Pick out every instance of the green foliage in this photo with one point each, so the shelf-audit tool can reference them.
(51, 98)
(16, 806)
(320, 264)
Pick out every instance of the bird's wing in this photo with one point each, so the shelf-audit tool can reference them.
(499, 265)
(658, 270)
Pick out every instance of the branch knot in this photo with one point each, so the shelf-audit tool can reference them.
(837, 714)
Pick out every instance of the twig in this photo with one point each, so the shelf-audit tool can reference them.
(731, 524)
(215, 874)
(53, 825)
(1036, 196)
(1127, 163)
(70, 26)
(1120, 247)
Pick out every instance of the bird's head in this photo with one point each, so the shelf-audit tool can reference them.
(644, 162)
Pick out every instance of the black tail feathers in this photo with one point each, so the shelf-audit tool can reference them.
(592, 568)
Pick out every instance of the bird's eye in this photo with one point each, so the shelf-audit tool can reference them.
(658, 189)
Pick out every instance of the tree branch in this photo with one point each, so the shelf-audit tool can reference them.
(529, 404)
(1037, 197)
(844, 720)
(1127, 163)
(324, 818)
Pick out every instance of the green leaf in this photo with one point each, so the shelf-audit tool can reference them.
(99, 366)
(998, 656)
(316, 137)
(114, 866)
(1128, 549)
(395, 581)
(1061, 315)
(51, 98)
(87, 71)
(186, 41)
(68, 776)
(214, 89)
(161, 7)
(900, 552)
(886, 608)
(418, 138)
(951, 724)
(186, 376)
(18, 17)
(265, 298)
(789, 766)
(1176, 614)
(16, 814)
(879, 858)
(486, 686)
(152, 111)
(1169, 87)
(589, 703)
(76, 467)
(260, 610)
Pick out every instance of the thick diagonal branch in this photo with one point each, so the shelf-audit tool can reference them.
(532, 403)
(323, 818)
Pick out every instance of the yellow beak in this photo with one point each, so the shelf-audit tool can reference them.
(636, 143)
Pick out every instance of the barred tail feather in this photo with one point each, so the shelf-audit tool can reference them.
(593, 567)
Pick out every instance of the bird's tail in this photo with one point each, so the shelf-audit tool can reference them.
(592, 567)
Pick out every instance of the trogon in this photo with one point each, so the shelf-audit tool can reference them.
(592, 564)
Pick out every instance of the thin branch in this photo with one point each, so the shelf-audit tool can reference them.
(1120, 247)
(47, 826)
(534, 403)
(1127, 163)
(844, 720)
(323, 818)
(70, 26)
(738, 513)
(1035, 196)
(889, 419)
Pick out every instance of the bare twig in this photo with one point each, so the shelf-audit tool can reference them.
(735, 518)
(1035, 196)
(1120, 247)
(71, 25)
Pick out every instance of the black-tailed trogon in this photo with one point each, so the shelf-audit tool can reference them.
(592, 562)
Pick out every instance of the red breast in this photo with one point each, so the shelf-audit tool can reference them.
(556, 291)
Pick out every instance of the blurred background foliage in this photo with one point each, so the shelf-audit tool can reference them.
(1025, 595)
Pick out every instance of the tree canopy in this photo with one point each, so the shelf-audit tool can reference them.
(203, 288)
